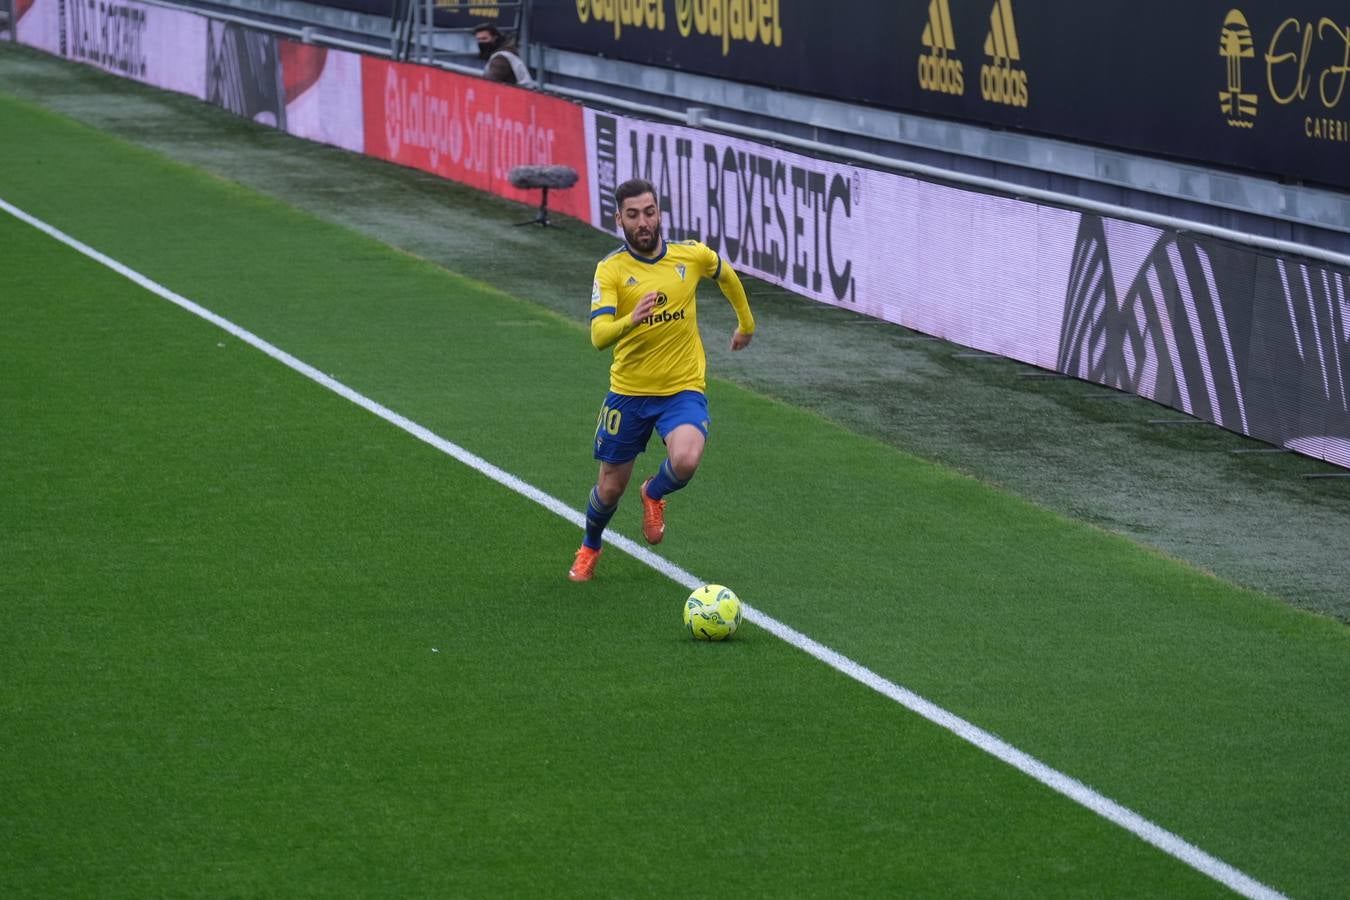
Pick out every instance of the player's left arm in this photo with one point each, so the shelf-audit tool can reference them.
(734, 291)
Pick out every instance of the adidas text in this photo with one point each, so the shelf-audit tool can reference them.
(1000, 84)
(942, 74)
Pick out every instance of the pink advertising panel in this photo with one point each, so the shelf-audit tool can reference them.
(37, 23)
(322, 89)
(968, 267)
(151, 44)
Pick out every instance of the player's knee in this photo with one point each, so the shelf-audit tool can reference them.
(685, 463)
(609, 492)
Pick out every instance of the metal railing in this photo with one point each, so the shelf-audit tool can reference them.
(414, 32)
(1053, 198)
(696, 117)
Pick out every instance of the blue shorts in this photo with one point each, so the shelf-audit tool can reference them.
(625, 424)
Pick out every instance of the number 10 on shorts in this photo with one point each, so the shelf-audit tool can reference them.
(609, 421)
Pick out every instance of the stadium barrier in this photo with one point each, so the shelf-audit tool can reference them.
(1253, 341)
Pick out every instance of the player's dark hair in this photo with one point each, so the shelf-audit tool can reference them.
(488, 27)
(634, 187)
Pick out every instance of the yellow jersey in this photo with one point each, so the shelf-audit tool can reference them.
(662, 354)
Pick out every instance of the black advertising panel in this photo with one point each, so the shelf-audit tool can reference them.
(1256, 86)
(243, 73)
(800, 45)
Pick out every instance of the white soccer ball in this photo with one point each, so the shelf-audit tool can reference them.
(712, 613)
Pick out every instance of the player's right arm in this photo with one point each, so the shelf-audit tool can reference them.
(605, 328)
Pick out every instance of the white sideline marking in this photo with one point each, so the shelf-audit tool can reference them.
(1057, 781)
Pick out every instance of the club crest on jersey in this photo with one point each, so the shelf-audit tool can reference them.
(679, 267)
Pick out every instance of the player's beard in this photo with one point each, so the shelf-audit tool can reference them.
(645, 246)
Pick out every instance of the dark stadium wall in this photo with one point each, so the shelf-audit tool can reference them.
(1252, 86)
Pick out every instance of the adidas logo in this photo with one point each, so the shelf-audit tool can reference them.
(1003, 81)
(937, 70)
(630, 282)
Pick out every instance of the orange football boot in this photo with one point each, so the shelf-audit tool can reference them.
(583, 567)
(653, 516)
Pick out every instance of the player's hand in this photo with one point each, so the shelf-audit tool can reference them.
(644, 307)
(740, 341)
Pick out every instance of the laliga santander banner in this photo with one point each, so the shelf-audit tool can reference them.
(982, 271)
(471, 130)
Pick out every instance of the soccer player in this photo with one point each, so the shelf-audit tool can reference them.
(642, 305)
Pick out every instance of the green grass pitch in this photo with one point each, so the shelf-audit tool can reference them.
(255, 641)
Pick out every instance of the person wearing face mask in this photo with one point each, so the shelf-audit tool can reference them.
(503, 57)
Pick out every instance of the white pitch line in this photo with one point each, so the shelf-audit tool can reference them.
(1057, 781)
